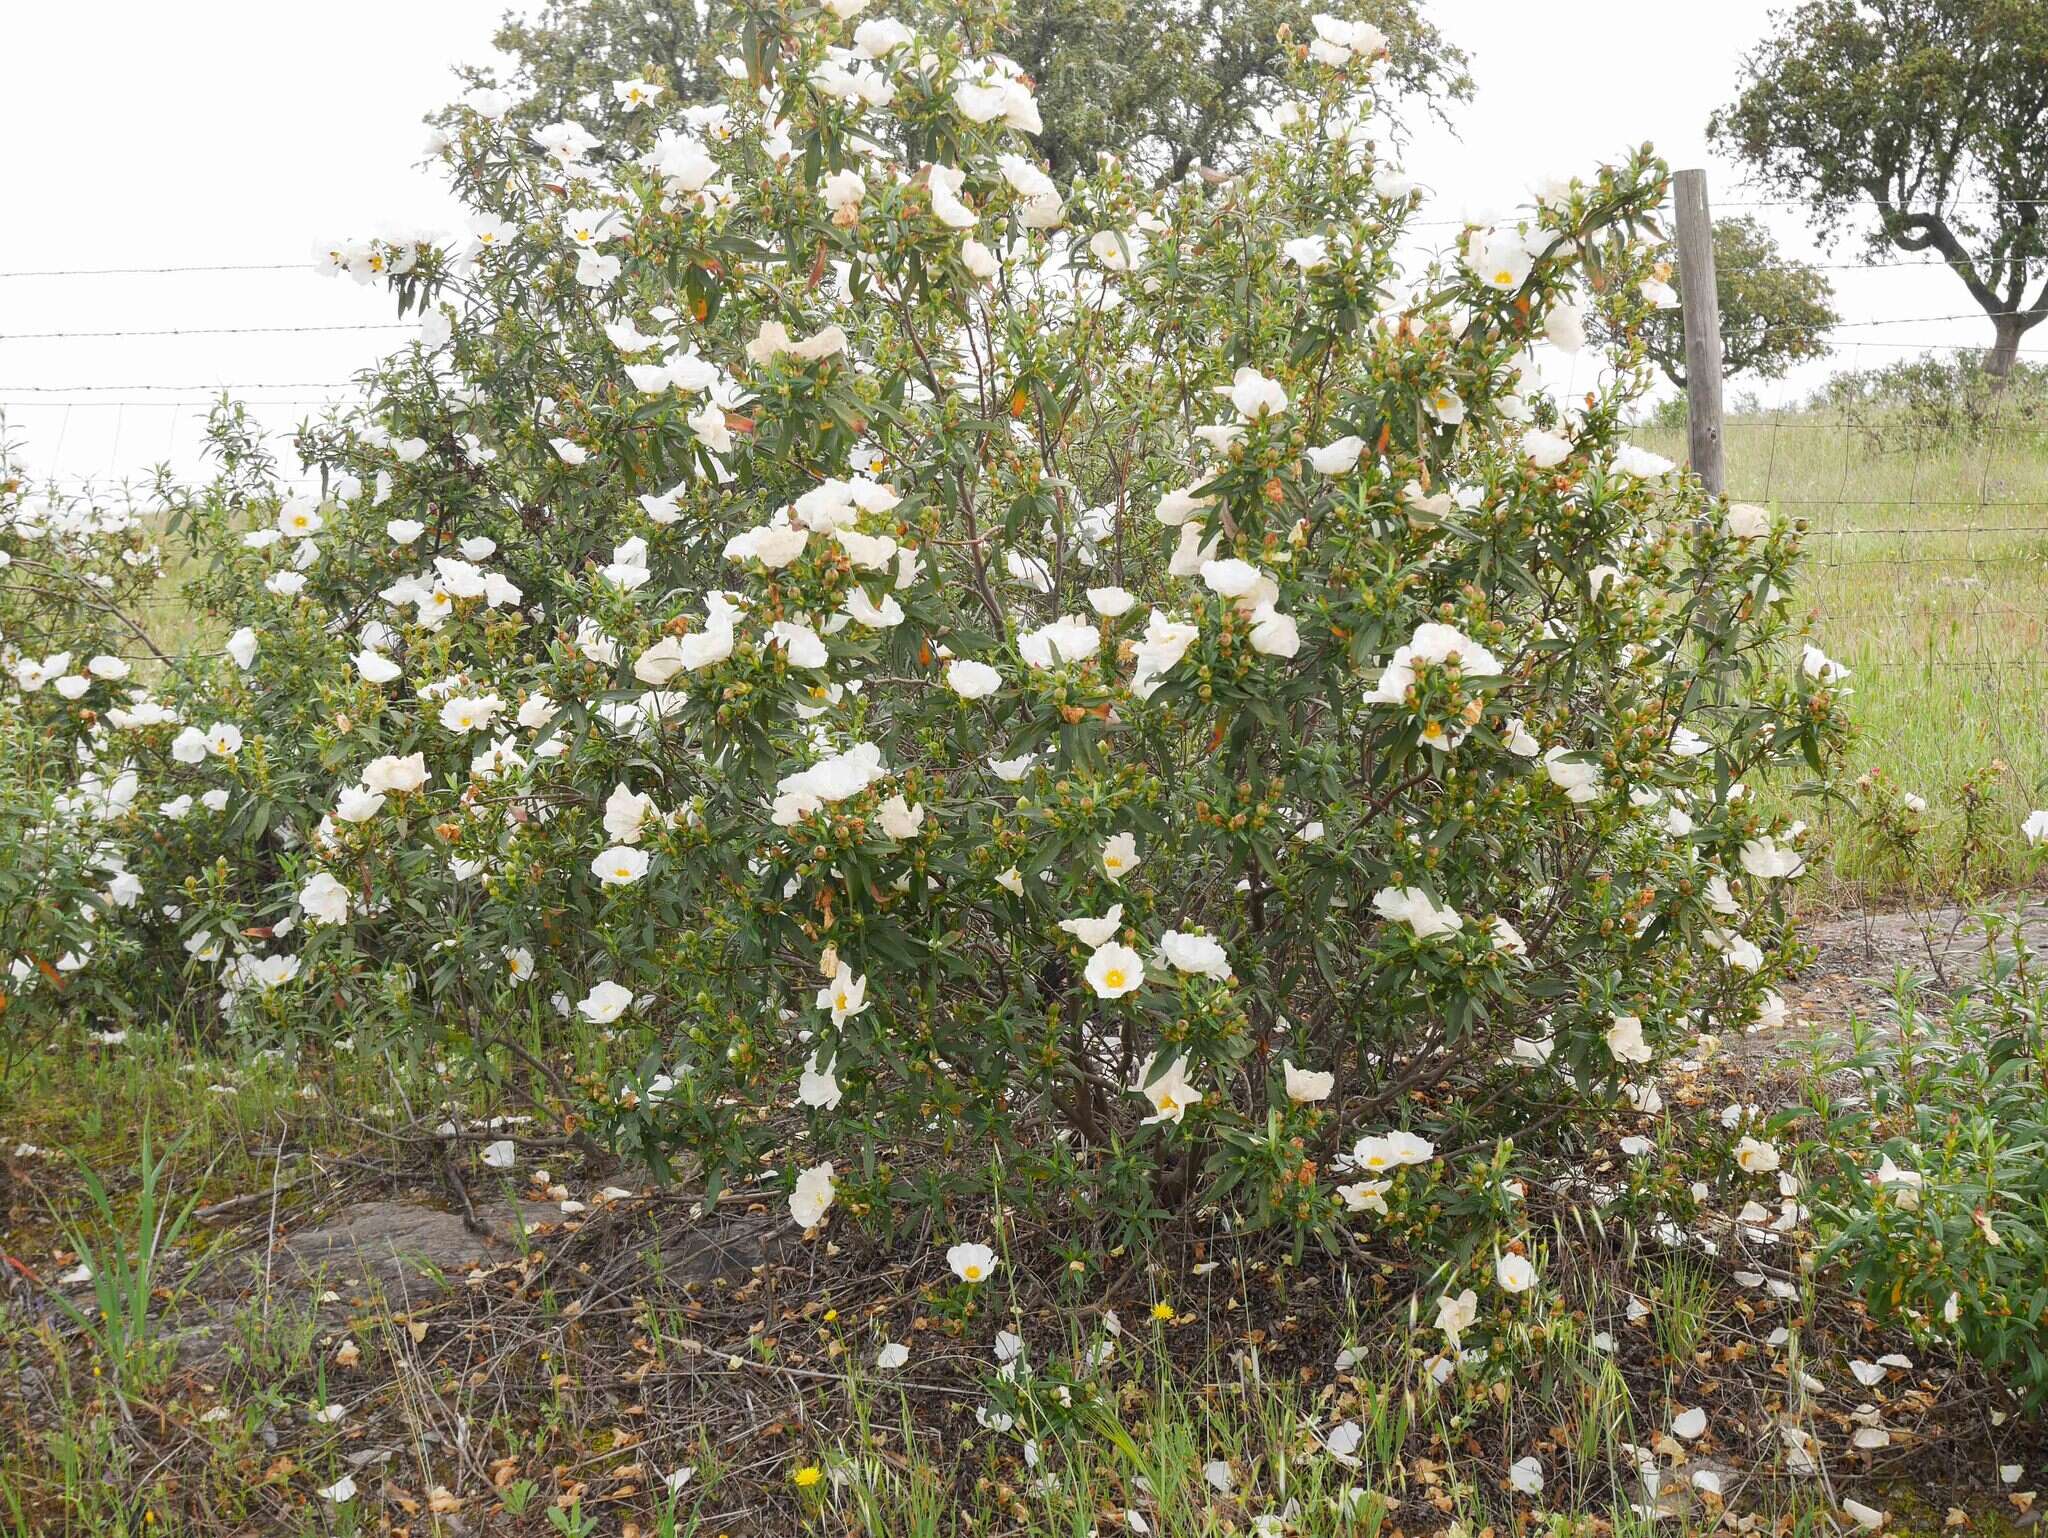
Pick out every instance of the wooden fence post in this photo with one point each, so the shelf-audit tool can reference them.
(1701, 304)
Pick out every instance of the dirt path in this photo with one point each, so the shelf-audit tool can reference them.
(1856, 973)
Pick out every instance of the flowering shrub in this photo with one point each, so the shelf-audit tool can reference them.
(71, 572)
(1135, 692)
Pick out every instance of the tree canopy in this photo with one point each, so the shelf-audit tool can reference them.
(1924, 122)
(1775, 309)
(1166, 86)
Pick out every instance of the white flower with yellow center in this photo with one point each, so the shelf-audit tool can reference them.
(1115, 970)
(620, 866)
(845, 996)
(1169, 1092)
(972, 1263)
(1119, 856)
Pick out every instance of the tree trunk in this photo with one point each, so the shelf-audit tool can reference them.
(2005, 349)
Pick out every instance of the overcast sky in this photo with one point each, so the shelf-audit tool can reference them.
(231, 132)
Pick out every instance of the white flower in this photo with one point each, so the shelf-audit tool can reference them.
(980, 262)
(1170, 1092)
(1119, 856)
(375, 667)
(605, 1003)
(1579, 781)
(1166, 642)
(324, 899)
(242, 647)
(1365, 1196)
(1069, 639)
(1118, 250)
(900, 820)
(971, 1262)
(1390, 1150)
(843, 191)
(1565, 326)
(1179, 505)
(1230, 578)
(1756, 1157)
(1818, 665)
(358, 803)
(1095, 932)
(1545, 450)
(1306, 1087)
(845, 996)
(1115, 970)
(1415, 908)
(1456, 1315)
(620, 866)
(1745, 520)
(1252, 395)
(817, 1086)
(223, 739)
(1767, 860)
(632, 95)
(813, 1195)
(1199, 955)
(395, 775)
(625, 814)
(1338, 458)
(1514, 1273)
(1499, 258)
(948, 207)
(1274, 634)
(1110, 602)
(879, 37)
(2034, 829)
(882, 616)
(1625, 1040)
(1641, 463)
(464, 714)
(342, 1490)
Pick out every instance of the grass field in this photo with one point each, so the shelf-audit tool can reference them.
(1928, 575)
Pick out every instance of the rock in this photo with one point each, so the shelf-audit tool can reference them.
(725, 1245)
(396, 1241)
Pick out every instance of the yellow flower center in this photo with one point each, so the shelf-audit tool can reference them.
(1504, 277)
(839, 1000)
(1113, 978)
(972, 1273)
(1168, 1104)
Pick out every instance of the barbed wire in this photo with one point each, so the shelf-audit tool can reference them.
(190, 389)
(73, 336)
(137, 272)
